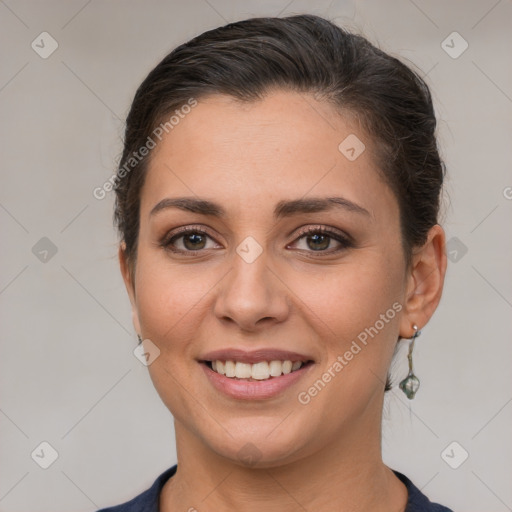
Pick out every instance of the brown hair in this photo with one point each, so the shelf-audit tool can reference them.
(308, 54)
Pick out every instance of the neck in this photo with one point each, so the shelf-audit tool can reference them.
(345, 475)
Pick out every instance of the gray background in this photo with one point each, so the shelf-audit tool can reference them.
(68, 375)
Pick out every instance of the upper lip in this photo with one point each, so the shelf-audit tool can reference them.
(255, 356)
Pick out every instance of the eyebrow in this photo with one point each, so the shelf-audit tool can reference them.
(282, 209)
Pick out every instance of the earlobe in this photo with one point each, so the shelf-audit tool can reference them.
(425, 282)
(129, 284)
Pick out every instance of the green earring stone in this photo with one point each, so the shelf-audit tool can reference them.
(410, 386)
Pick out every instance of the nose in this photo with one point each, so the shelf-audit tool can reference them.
(251, 295)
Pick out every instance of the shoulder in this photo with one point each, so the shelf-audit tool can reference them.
(146, 501)
(417, 501)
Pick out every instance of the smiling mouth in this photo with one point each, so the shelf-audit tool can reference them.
(263, 370)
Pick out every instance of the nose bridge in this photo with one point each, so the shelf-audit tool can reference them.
(251, 292)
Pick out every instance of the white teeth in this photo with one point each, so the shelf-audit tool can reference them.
(219, 367)
(287, 367)
(276, 368)
(258, 371)
(296, 365)
(243, 370)
(230, 369)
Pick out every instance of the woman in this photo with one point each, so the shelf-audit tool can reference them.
(277, 200)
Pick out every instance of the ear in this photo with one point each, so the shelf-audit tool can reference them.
(424, 282)
(130, 286)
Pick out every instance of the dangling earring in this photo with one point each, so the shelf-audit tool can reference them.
(139, 338)
(411, 383)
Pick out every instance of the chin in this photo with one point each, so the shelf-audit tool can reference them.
(260, 446)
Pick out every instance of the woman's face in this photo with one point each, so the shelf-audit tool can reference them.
(255, 280)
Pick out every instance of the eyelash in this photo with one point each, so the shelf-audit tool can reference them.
(345, 241)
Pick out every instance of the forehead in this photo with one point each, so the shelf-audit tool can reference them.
(287, 144)
(281, 121)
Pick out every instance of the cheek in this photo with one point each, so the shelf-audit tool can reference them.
(352, 296)
(169, 298)
(355, 311)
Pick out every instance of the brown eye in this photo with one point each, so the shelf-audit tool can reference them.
(189, 240)
(194, 241)
(318, 242)
(322, 241)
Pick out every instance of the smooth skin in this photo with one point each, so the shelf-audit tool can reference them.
(305, 294)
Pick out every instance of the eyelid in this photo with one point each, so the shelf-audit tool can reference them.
(324, 229)
(189, 227)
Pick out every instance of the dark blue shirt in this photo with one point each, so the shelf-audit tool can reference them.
(148, 500)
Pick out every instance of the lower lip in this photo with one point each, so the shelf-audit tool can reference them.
(254, 390)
